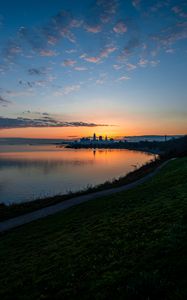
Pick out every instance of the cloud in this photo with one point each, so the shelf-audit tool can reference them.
(4, 102)
(93, 28)
(179, 11)
(7, 123)
(80, 68)
(122, 78)
(69, 63)
(106, 9)
(38, 38)
(67, 90)
(103, 54)
(136, 3)
(107, 51)
(36, 71)
(29, 112)
(48, 53)
(11, 50)
(132, 44)
(70, 51)
(20, 93)
(117, 67)
(130, 66)
(120, 27)
(171, 35)
(92, 59)
(143, 62)
(102, 79)
(76, 23)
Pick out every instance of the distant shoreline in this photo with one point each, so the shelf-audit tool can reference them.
(114, 147)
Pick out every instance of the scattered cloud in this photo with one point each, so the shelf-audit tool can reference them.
(13, 93)
(102, 79)
(46, 121)
(80, 68)
(48, 53)
(69, 63)
(103, 54)
(171, 35)
(120, 27)
(93, 28)
(92, 59)
(131, 45)
(4, 102)
(122, 78)
(106, 9)
(179, 11)
(136, 3)
(130, 66)
(67, 90)
(70, 51)
(117, 67)
(36, 71)
(143, 62)
(108, 50)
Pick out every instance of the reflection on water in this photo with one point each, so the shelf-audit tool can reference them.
(29, 172)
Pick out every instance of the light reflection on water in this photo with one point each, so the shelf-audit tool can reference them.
(30, 172)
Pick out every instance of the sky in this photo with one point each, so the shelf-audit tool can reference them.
(72, 68)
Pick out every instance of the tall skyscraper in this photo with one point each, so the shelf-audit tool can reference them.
(94, 137)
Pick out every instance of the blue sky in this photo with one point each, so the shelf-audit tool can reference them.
(85, 64)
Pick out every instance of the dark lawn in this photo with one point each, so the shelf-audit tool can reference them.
(130, 246)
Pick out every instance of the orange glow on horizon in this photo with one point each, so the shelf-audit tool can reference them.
(129, 129)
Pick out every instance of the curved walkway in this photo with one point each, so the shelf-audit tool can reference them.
(50, 210)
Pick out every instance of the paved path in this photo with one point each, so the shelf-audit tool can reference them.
(50, 210)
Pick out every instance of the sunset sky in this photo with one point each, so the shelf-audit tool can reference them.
(69, 68)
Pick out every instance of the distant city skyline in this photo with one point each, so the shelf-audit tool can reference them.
(71, 68)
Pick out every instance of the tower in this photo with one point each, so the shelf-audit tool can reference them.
(94, 137)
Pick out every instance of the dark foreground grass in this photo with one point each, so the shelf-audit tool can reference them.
(129, 246)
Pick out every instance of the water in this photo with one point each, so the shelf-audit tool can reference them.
(30, 172)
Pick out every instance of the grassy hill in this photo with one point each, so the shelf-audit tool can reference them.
(129, 246)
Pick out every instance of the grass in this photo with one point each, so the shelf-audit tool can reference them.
(131, 245)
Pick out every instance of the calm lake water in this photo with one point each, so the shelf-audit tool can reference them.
(30, 172)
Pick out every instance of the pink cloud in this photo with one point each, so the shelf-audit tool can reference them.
(120, 27)
(69, 62)
(103, 54)
(92, 59)
(93, 29)
(48, 53)
(107, 51)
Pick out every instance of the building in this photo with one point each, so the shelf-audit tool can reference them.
(94, 137)
(100, 138)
